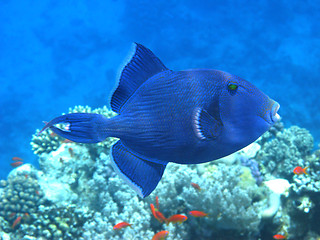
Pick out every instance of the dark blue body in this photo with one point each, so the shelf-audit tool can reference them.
(185, 117)
(157, 121)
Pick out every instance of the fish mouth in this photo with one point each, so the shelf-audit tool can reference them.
(275, 117)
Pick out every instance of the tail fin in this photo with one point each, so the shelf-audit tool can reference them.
(80, 127)
(305, 170)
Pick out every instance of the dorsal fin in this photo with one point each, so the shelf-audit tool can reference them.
(143, 65)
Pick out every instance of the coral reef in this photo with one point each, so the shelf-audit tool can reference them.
(241, 192)
(21, 196)
(287, 150)
(280, 153)
(229, 203)
(56, 222)
(230, 195)
(26, 213)
(253, 165)
(45, 142)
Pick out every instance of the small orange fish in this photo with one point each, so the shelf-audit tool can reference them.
(16, 222)
(26, 176)
(160, 235)
(153, 210)
(196, 186)
(279, 236)
(198, 214)
(160, 216)
(12, 215)
(16, 164)
(17, 159)
(37, 192)
(157, 202)
(177, 218)
(121, 225)
(299, 170)
(67, 141)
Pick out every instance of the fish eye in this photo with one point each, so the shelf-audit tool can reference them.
(232, 88)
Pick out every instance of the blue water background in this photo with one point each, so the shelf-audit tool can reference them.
(57, 54)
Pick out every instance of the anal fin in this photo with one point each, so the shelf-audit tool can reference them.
(143, 176)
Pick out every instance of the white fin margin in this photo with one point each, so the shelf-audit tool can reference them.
(196, 124)
(134, 186)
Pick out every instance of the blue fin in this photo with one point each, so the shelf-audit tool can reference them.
(206, 126)
(143, 176)
(79, 127)
(143, 65)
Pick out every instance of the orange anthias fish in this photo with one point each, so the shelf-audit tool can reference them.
(121, 225)
(279, 236)
(160, 216)
(299, 170)
(177, 218)
(16, 222)
(196, 186)
(198, 214)
(160, 235)
(16, 164)
(17, 159)
(153, 210)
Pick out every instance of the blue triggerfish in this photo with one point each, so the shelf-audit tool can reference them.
(185, 117)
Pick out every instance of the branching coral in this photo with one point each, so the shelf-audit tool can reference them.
(289, 149)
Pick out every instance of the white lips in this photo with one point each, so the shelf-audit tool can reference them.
(274, 112)
(276, 117)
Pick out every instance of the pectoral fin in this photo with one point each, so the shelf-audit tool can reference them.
(205, 126)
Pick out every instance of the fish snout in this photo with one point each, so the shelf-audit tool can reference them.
(275, 117)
